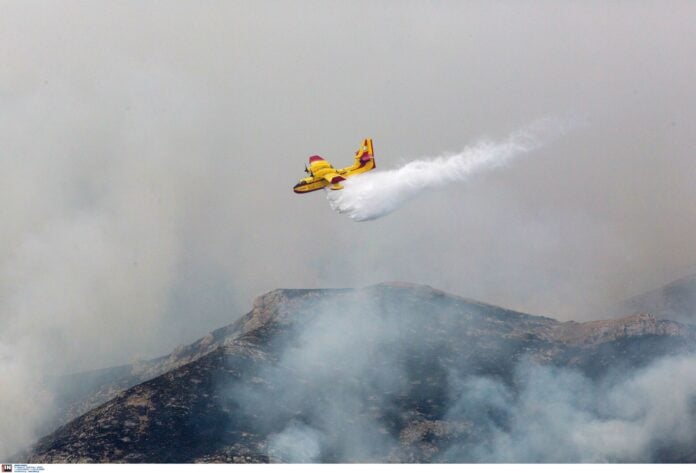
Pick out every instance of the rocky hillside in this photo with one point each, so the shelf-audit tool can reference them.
(80, 392)
(392, 372)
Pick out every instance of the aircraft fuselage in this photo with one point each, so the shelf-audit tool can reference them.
(322, 173)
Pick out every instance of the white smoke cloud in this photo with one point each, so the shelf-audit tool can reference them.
(375, 194)
(147, 172)
(298, 443)
(324, 376)
(560, 415)
(337, 387)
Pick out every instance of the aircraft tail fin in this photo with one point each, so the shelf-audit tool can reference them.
(365, 153)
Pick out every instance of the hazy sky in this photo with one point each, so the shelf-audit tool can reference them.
(149, 149)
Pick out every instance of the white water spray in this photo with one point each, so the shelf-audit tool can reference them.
(378, 193)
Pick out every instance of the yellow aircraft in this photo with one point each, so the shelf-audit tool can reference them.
(321, 173)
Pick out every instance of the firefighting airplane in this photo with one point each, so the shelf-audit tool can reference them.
(321, 173)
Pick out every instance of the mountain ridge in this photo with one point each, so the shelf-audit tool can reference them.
(240, 392)
(675, 300)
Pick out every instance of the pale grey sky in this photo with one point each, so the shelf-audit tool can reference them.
(149, 149)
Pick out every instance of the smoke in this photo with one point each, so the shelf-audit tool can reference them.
(97, 215)
(375, 194)
(559, 415)
(312, 402)
(146, 173)
(298, 443)
(371, 380)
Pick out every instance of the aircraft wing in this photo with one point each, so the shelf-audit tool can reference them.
(333, 177)
(321, 169)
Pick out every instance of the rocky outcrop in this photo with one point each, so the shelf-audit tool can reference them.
(603, 331)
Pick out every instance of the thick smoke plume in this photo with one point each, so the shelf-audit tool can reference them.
(376, 194)
(146, 172)
(349, 361)
(559, 415)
